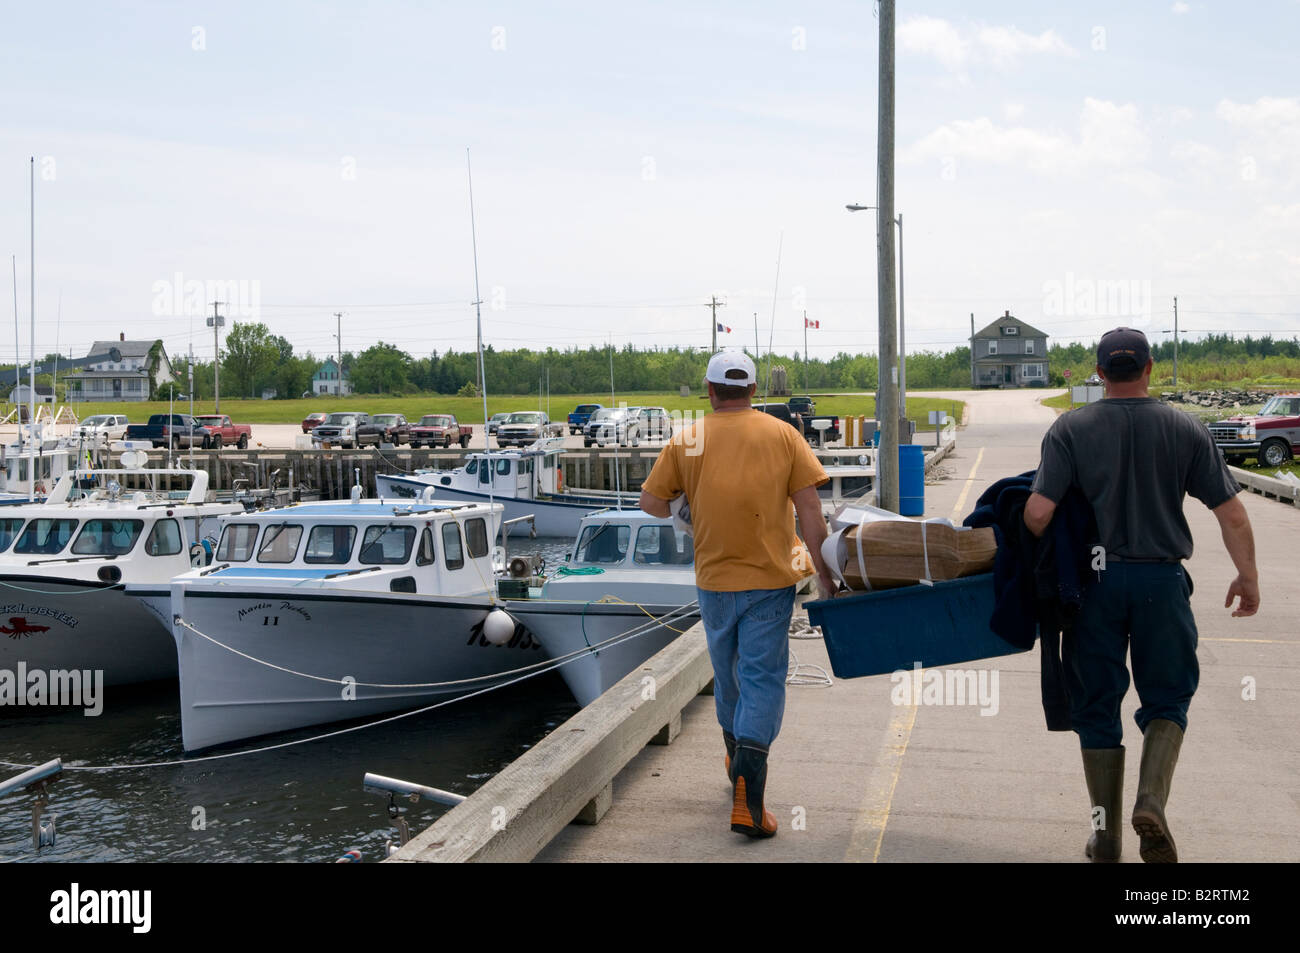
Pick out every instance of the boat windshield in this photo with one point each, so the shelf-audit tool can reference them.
(605, 543)
(662, 545)
(107, 537)
(45, 537)
(330, 544)
(237, 541)
(9, 532)
(386, 545)
(280, 543)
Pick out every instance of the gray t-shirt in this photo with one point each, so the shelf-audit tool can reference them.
(1134, 458)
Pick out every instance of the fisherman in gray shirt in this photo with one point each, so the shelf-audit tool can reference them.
(1134, 458)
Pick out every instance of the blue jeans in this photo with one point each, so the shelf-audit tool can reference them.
(1144, 610)
(749, 643)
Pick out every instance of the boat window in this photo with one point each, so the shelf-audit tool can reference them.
(237, 541)
(503, 468)
(472, 466)
(107, 537)
(662, 545)
(476, 540)
(164, 539)
(425, 556)
(45, 537)
(386, 545)
(452, 554)
(280, 543)
(8, 532)
(604, 543)
(329, 544)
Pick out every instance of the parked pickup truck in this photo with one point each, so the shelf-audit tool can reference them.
(223, 433)
(1271, 436)
(526, 427)
(176, 430)
(802, 423)
(385, 428)
(340, 429)
(580, 417)
(439, 430)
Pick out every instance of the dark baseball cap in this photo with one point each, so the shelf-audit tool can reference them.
(1123, 348)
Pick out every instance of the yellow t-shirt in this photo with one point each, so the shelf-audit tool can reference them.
(738, 469)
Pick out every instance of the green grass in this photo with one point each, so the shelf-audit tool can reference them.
(470, 409)
(1059, 402)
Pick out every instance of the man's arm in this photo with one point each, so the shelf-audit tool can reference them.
(1038, 513)
(1234, 524)
(653, 505)
(808, 505)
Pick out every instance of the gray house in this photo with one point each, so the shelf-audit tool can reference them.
(1008, 353)
(134, 377)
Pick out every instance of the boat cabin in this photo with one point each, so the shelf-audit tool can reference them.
(631, 539)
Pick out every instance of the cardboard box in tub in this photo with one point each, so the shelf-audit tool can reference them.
(875, 633)
(874, 549)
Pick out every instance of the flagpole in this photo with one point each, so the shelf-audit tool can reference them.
(805, 352)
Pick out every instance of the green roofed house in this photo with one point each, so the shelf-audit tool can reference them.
(1008, 353)
(328, 380)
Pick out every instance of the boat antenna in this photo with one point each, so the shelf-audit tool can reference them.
(31, 415)
(613, 402)
(478, 317)
(772, 327)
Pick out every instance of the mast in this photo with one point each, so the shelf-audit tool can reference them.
(478, 318)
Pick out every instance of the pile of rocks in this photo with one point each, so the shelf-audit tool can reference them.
(1217, 398)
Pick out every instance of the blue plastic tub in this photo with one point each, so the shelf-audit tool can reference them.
(875, 633)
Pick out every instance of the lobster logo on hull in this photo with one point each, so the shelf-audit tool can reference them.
(17, 625)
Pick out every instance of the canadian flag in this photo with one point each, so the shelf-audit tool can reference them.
(724, 329)
(811, 324)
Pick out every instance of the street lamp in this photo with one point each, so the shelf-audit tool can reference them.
(902, 325)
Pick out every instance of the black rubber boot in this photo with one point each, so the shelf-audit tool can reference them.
(1103, 769)
(749, 775)
(729, 740)
(1161, 742)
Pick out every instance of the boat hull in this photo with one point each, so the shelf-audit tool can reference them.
(65, 624)
(370, 638)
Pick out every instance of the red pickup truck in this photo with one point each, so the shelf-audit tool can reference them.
(224, 433)
(439, 430)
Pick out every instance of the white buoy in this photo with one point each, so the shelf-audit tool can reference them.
(498, 627)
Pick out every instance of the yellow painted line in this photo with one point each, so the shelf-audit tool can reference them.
(869, 828)
(965, 490)
(873, 817)
(1261, 641)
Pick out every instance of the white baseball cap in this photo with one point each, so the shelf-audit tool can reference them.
(732, 361)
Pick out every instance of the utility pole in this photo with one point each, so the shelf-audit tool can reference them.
(1175, 340)
(216, 321)
(714, 303)
(758, 352)
(902, 332)
(887, 407)
(338, 349)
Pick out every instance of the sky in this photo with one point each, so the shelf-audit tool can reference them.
(1076, 165)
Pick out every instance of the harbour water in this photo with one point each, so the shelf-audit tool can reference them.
(302, 803)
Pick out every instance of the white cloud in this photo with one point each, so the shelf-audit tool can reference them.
(956, 48)
(1109, 135)
(1013, 111)
(1180, 8)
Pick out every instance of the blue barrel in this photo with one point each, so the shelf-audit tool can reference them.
(911, 479)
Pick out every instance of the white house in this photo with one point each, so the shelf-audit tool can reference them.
(131, 378)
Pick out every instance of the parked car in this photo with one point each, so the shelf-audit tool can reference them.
(340, 428)
(385, 428)
(440, 430)
(175, 430)
(312, 421)
(104, 427)
(525, 427)
(653, 423)
(1271, 436)
(495, 422)
(801, 422)
(581, 416)
(616, 425)
(223, 433)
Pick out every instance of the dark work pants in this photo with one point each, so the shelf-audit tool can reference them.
(1143, 609)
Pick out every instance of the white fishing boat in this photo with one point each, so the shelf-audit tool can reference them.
(65, 564)
(322, 612)
(528, 482)
(626, 591)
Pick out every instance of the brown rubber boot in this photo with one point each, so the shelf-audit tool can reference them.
(749, 771)
(729, 740)
(1103, 769)
(1161, 742)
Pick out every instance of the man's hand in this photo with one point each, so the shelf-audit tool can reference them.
(826, 586)
(1248, 591)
